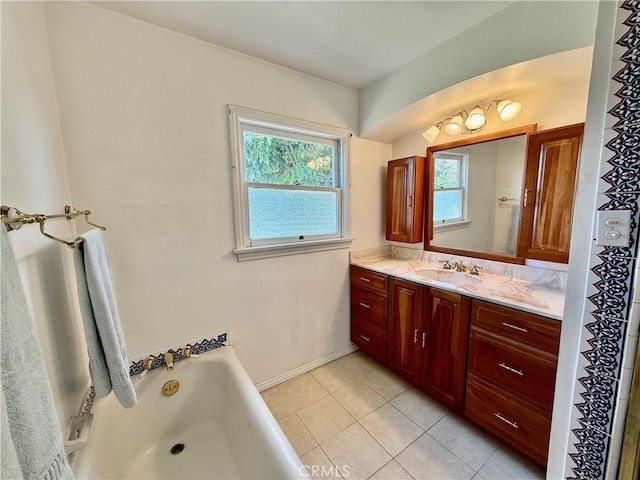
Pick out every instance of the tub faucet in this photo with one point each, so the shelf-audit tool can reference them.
(168, 361)
(146, 366)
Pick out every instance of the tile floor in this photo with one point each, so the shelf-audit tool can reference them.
(354, 419)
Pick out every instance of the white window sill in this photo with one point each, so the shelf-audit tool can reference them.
(269, 251)
(445, 227)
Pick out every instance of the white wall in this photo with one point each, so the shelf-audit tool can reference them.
(522, 31)
(34, 180)
(143, 113)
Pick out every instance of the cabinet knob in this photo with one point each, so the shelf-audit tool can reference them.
(424, 339)
(415, 336)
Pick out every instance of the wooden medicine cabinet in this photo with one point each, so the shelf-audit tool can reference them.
(506, 196)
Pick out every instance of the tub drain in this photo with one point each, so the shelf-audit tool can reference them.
(177, 448)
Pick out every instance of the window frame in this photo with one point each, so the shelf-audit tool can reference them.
(286, 127)
(463, 174)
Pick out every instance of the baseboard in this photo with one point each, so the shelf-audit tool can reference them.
(283, 377)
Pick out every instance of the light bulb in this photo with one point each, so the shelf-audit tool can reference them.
(432, 133)
(476, 119)
(508, 110)
(454, 127)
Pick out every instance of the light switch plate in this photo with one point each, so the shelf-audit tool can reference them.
(613, 228)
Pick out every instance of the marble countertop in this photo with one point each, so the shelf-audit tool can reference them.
(539, 292)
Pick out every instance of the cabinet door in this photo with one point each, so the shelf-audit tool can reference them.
(405, 328)
(547, 214)
(447, 330)
(405, 199)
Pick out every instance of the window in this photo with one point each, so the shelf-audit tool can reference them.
(289, 185)
(449, 193)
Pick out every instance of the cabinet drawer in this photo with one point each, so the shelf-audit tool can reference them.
(369, 338)
(520, 425)
(539, 332)
(368, 279)
(370, 306)
(527, 372)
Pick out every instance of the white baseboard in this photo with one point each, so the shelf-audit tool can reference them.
(283, 377)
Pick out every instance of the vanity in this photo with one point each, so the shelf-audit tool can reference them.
(464, 319)
(484, 346)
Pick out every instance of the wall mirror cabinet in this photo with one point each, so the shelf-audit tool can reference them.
(505, 196)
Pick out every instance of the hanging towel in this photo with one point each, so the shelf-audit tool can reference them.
(108, 361)
(31, 441)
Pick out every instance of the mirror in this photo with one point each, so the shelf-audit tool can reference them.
(474, 189)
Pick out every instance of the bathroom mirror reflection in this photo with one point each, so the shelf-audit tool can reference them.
(475, 187)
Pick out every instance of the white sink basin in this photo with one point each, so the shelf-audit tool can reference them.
(448, 276)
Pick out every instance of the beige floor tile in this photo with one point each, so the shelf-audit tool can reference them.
(391, 429)
(360, 364)
(325, 418)
(334, 376)
(422, 410)
(392, 471)
(467, 442)
(386, 383)
(317, 466)
(505, 465)
(358, 399)
(300, 438)
(355, 452)
(278, 404)
(303, 391)
(427, 459)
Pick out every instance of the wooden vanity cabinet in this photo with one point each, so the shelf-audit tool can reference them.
(511, 376)
(405, 199)
(406, 329)
(369, 311)
(549, 189)
(447, 332)
(428, 334)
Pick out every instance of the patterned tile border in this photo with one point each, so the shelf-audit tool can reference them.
(197, 348)
(611, 275)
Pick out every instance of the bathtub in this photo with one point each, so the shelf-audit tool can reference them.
(217, 421)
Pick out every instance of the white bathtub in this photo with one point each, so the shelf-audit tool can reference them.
(226, 428)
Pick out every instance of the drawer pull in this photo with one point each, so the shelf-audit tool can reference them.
(511, 369)
(366, 339)
(515, 327)
(415, 336)
(499, 415)
(364, 305)
(424, 339)
(365, 279)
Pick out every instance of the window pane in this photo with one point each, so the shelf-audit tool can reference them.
(285, 161)
(278, 213)
(447, 205)
(446, 173)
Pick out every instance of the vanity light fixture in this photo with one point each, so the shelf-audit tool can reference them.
(474, 120)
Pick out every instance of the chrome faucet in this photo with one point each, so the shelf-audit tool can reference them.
(168, 361)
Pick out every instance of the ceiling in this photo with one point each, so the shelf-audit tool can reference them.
(351, 43)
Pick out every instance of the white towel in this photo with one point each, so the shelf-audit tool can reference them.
(30, 438)
(108, 361)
